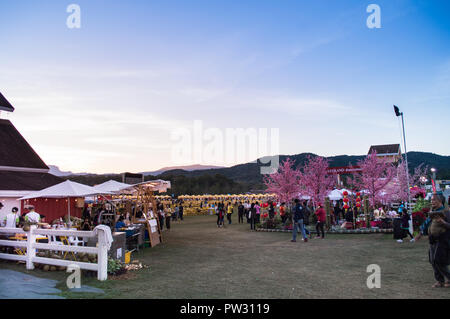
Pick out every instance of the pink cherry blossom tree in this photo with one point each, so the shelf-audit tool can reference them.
(375, 176)
(315, 181)
(399, 189)
(285, 183)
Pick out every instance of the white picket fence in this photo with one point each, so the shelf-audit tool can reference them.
(31, 246)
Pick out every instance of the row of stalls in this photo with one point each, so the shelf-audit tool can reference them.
(74, 206)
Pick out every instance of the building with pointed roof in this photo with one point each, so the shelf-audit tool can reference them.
(5, 105)
(391, 152)
(21, 169)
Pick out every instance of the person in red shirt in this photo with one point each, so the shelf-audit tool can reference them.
(321, 219)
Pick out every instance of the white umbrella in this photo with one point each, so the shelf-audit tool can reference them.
(65, 189)
(335, 194)
(111, 186)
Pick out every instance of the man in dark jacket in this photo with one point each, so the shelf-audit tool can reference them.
(439, 253)
(298, 218)
(241, 213)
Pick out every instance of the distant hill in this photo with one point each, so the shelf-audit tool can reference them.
(189, 168)
(54, 170)
(249, 173)
(247, 177)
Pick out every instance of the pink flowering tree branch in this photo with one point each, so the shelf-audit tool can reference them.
(285, 183)
(375, 176)
(315, 181)
(400, 183)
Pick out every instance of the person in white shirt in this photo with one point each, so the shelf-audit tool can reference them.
(376, 214)
(32, 216)
(12, 219)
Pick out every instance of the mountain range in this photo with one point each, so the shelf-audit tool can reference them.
(54, 170)
(200, 179)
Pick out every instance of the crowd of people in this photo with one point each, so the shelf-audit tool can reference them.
(298, 213)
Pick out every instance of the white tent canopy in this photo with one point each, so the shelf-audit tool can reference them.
(111, 186)
(65, 189)
(335, 194)
(338, 194)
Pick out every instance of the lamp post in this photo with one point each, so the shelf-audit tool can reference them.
(433, 180)
(433, 170)
(398, 113)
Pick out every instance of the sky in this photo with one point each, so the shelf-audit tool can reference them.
(108, 97)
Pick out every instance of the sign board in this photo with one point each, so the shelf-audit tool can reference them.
(153, 225)
(153, 232)
(343, 170)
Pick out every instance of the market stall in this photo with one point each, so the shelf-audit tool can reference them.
(55, 201)
(139, 202)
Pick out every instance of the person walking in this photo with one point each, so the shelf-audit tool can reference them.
(168, 216)
(405, 226)
(241, 213)
(221, 214)
(258, 212)
(321, 220)
(161, 216)
(229, 212)
(252, 216)
(247, 211)
(298, 218)
(439, 252)
(181, 212)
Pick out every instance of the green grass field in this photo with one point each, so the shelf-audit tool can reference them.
(198, 260)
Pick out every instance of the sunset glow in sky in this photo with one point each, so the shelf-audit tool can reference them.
(106, 97)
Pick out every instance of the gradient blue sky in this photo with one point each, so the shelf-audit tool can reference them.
(104, 98)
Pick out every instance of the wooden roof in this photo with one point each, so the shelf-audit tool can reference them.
(5, 105)
(26, 181)
(15, 150)
(385, 149)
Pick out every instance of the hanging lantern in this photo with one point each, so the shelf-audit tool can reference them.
(345, 200)
(358, 204)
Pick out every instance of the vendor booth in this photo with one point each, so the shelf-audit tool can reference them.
(61, 199)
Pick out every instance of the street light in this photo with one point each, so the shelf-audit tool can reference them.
(433, 170)
(398, 113)
(433, 181)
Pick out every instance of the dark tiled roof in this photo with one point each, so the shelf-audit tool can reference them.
(385, 149)
(24, 181)
(14, 149)
(5, 105)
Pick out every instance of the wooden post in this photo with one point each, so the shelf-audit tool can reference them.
(102, 272)
(31, 251)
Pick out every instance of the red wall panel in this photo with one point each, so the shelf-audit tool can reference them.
(53, 208)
